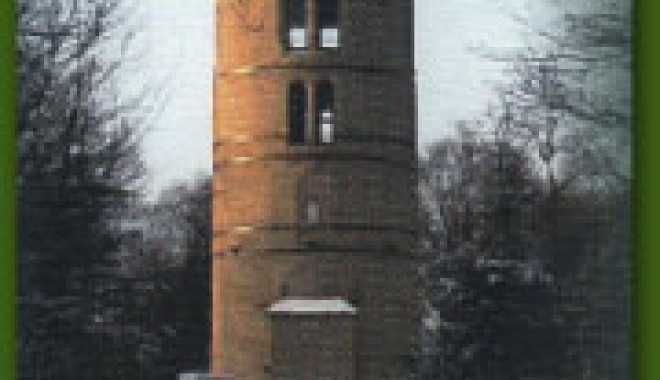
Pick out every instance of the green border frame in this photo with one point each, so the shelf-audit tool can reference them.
(7, 192)
(646, 329)
(647, 191)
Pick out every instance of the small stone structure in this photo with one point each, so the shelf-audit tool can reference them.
(313, 339)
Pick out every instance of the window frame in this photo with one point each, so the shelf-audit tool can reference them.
(325, 101)
(297, 113)
(311, 115)
(286, 23)
(313, 24)
(320, 26)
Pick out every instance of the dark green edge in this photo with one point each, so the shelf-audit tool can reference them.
(647, 191)
(7, 192)
(646, 329)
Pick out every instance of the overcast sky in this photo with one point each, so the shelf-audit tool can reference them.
(453, 83)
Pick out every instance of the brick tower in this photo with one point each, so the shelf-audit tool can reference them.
(314, 203)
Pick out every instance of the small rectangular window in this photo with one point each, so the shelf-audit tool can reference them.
(325, 109)
(295, 24)
(297, 113)
(328, 23)
(312, 212)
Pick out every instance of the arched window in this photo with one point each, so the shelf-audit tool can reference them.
(325, 112)
(327, 21)
(297, 111)
(295, 24)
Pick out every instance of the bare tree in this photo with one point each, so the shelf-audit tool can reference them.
(174, 262)
(565, 107)
(569, 95)
(573, 101)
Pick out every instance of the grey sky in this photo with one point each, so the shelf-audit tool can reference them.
(452, 82)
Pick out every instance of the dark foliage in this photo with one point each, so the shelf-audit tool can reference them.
(528, 273)
(492, 300)
(79, 164)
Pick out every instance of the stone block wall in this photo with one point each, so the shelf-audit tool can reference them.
(363, 182)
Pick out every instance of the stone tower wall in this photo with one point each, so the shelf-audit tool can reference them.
(363, 182)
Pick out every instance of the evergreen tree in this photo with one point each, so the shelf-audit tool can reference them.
(78, 164)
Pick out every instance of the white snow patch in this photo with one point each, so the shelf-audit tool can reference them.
(312, 306)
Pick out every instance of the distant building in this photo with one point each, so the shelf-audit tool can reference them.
(314, 204)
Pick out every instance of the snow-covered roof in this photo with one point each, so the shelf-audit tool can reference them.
(312, 306)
